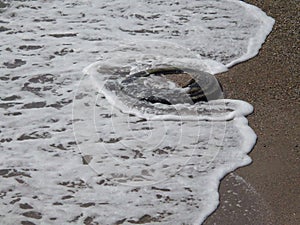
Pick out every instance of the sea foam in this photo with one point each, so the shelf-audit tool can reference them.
(72, 154)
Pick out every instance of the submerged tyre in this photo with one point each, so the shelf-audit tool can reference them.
(172, 85)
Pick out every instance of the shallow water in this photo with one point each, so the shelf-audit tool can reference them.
(73, 153)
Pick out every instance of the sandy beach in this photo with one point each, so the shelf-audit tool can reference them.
(44, 50)
(270, 82)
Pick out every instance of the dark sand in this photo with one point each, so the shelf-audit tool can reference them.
(270, 82)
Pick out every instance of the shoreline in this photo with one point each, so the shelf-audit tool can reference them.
(270, 82)
(263, 192)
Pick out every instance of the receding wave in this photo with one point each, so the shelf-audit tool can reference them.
(156, 164)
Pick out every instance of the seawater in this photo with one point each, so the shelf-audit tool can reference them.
(73, 152)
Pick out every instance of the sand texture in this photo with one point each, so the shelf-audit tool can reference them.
(270, 82)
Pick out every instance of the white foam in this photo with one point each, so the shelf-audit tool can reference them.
(52, 42)
(263, 31)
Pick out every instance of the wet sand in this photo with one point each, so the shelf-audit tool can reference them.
(270, 82)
